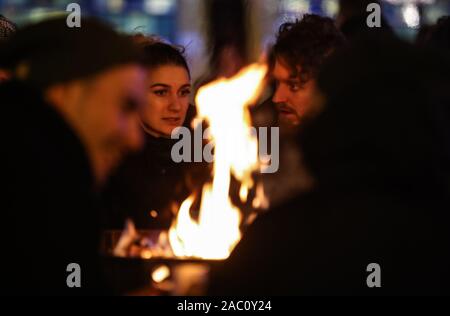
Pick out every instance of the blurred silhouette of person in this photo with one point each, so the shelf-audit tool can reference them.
(227, 39)
(7, 29)
(437, 36)
(423, 34)
(436, 40)
(376, 152)
(149, 182)
(70, 116)
(352, 19)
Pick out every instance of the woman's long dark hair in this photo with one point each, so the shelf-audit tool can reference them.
(157, 53)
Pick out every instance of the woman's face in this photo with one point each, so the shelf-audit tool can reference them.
(167, 100)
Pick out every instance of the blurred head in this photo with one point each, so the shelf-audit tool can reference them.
(98, 91)
(168, 89)
(104, 112)
(299, 52)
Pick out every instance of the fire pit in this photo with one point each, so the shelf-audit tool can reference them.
(136, 274)
(177, 261)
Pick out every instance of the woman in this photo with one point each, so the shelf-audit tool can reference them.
(148, 183)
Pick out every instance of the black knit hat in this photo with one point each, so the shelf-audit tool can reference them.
(51, 52)
(7, 28)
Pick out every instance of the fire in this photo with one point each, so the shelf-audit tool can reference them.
(160, 274)
(224, 104)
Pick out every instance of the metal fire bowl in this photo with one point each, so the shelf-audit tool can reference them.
(111, 237)
(162, 260)
(128, 274)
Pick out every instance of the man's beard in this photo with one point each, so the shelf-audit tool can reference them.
(287, 115)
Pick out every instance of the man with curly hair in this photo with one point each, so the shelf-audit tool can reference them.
(300, 50)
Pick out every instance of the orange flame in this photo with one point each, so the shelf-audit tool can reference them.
(224, 105)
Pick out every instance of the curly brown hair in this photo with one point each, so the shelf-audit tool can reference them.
(305, 44)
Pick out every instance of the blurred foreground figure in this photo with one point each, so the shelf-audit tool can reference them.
(377, 152)
(70, 115)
